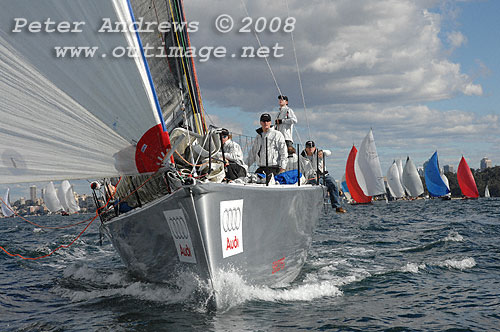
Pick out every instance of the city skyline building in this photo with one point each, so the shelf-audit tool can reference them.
(33, 193)
(448, 169)
(485, 163)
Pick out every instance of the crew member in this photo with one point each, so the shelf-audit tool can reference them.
(285, 120)
(313, 155)
(271, 159)
(235, 166)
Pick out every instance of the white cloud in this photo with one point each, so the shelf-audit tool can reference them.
(363, 64)
(456, 39)
(348, 51)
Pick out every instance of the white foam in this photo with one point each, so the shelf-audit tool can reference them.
(232, 290)
(454, 237)
(463, 264)
(412, 267)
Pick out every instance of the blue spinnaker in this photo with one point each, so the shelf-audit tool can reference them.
(433, 180)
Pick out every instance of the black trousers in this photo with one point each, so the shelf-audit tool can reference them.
(234, 171)
(268, 171)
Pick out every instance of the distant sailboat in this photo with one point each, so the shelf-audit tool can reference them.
(393, 181)
(352, 183)
(72, 205)
(411, 179)
(7, 210)
(367, 166)
(50, 198)
(486, 192)
(60, 200)
(466, 180)
(434, 180)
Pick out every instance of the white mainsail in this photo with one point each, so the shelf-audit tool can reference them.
(50, 198)
(367, 166)
(486, 191)
(445, 180)
(6, 207)
(399, 162)
(67, 189)
(61, 195)
(411, 179)
(94, 110)
(393, 181)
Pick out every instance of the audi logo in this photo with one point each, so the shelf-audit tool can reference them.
(179, 228)
(231, 219)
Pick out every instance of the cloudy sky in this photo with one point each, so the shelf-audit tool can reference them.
(422, 74)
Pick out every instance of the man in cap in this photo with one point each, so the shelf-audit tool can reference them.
(315, 159)
(285, 120)
(233, 156)
(268, 149)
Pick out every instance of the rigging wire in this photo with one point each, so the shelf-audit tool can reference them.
(184, 65)
(260, 45)
(198, 90)
(299, 77)
(190, 68)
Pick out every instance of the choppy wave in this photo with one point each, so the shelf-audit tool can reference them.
(458, 264)
(413, 267)
(355, 278)
(451, 237)
(464, 264)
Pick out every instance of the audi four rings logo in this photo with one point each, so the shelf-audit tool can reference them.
(179, 228)
(231, 219)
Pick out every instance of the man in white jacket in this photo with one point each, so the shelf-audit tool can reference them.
(233, 156)
(285, 120)
(273, 157)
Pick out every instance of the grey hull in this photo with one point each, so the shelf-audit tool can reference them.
(262, 233)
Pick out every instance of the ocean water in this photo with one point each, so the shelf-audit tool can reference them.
(425, 265)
